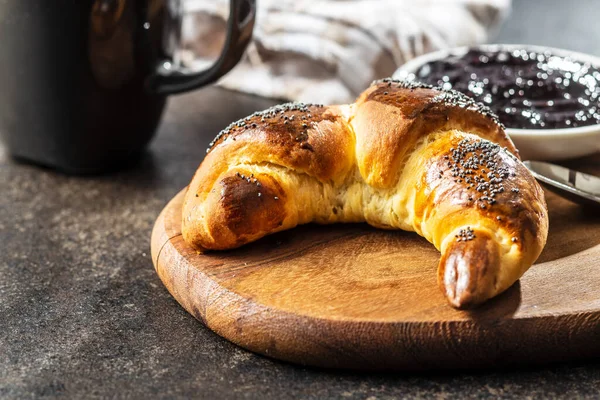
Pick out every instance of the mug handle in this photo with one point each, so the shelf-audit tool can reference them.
(242, 14)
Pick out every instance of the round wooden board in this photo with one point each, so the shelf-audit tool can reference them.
(351, 296)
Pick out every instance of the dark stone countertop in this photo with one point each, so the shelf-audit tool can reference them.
(83, 314)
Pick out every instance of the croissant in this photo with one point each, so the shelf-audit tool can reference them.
(405, 156)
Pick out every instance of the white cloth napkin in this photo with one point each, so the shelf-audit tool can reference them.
(328, 51)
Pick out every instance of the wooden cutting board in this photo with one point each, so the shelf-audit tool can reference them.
(352, 296)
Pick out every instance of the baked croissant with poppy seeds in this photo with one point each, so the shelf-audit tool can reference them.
(404, 156)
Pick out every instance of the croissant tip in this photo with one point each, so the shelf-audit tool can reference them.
(468, 270)
(462, 300)
(463, 288)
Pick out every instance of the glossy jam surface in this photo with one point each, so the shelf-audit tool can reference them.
(527, 90)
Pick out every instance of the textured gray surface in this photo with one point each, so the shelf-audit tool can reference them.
(83, 315)
(571, 25)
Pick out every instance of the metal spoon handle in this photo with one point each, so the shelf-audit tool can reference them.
(569, 183)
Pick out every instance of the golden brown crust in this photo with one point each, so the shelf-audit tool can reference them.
(469, 268)
(484, 191)
(403, 156)
(403, 113)
(311, 139)
(243, 206)
(484, 179)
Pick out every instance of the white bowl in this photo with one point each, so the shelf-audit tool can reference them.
(533, 144)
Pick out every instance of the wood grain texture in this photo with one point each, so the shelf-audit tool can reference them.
(351, 296)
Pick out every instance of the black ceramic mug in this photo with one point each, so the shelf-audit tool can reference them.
(84, 82)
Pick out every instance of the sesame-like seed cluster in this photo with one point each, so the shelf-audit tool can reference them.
(465, 235)
(279, 113)
(474, 163)
(404, 84)
(300, 112)
(249, 179)
(253, 180)
(447, 96)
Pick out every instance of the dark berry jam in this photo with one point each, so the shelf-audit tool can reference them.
(527, 90)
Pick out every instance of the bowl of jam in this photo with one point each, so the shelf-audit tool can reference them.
(548, 99)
